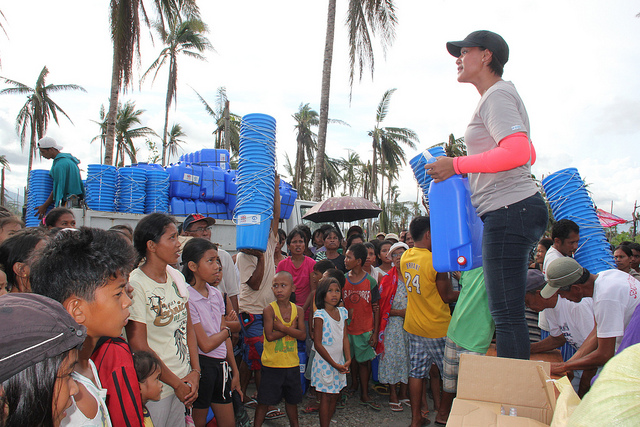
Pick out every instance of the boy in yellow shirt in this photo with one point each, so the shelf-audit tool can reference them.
(428, 314)
(283, 326)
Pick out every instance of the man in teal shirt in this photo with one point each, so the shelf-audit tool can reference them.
(68, 190)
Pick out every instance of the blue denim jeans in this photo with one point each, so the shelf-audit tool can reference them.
(510, 233)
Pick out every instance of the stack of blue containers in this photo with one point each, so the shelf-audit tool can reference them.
(131, 194)
(288, 196)
(101, 187)
(256, 174)
(569, 199)
(419, 162)
(40, 187)
(156, 189)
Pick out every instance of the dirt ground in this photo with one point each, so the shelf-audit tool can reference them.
(354, 415)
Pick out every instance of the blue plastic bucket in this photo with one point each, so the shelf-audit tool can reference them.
(101, 187)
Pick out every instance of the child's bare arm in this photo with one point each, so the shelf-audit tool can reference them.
(298, 331)
(346, 348)
(376, 324)
(268, 317)
(231, 317)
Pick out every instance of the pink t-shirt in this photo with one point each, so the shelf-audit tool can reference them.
(208, 312)
(301, 277)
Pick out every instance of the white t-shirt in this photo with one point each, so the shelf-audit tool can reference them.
(573, 320)
(161, 308)
(254, 301)
(552, 254)
(615, 297)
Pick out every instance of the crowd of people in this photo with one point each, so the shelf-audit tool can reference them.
(157, 325)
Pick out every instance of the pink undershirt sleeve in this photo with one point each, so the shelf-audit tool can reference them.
(512, 151)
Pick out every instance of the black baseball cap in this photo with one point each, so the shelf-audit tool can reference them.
(483, 38)
(195, 218)
(34, 328)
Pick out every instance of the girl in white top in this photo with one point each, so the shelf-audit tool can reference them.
(331, 363)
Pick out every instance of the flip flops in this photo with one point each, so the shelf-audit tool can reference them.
(274, 414)
(371, 404)
(396, 407)
(251, 403)
(405, 402)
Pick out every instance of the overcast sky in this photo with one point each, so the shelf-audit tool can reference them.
(575, 64)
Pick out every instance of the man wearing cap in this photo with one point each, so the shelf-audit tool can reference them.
(197, 225)
(615, 297)
(380, 236)
(67, 185)
(568, 322)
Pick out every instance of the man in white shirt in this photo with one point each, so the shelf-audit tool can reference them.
(565, 235)
(615, 297)
(568, 322)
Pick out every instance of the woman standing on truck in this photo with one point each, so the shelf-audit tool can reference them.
(503, 192)
(160, 323)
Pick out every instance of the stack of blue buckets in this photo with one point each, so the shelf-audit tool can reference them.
(417, 165)
(131, 193)
(256, 174)
(569, 199)
(101, 187)
(40, 187)
(156, 188)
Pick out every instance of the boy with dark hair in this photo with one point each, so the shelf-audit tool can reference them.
(428, 314)
(360, 295)
(280, 377)
(87, 271)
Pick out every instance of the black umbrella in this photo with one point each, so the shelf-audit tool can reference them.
(344, 209)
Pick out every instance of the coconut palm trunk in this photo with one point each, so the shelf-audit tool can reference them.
(324, 100)
(113, 110)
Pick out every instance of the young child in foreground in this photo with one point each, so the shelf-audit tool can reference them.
(283, 326)
(87, 271)
(148, 371)
(333, 357)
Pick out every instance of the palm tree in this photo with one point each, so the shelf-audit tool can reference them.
(305, 118)
(351, 168)
(222, 105)
(454, 147)
(183, 37)
(124, 19)
(127, 117)
(365, 19)
(174, 142)
(33, 119)
(386, 144)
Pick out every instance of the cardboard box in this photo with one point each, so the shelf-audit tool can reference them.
(486, 383)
